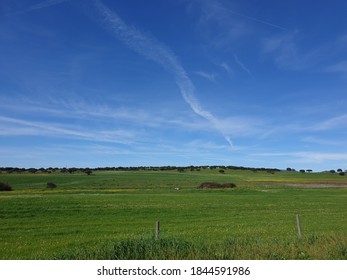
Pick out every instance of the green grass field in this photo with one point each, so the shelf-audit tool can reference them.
(112, 215)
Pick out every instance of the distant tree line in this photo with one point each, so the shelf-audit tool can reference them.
(89, 171)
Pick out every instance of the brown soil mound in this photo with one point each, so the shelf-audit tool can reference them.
(213, 185)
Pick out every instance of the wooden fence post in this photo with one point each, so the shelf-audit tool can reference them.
(157, 230)
(299, 226)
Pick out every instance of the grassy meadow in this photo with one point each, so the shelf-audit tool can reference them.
(112, 215)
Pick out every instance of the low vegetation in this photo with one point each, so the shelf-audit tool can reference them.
(311, 248)
(5, 187)
(112, 213)
(51, 185)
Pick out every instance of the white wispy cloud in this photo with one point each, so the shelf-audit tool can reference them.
(332, 123)
(218, 5)
(226, 67)
(339, 67)
(289, 53)
(285, 50)
(223, 26)
(210, 77)
(324, 142)
(242, 66)
(81, 110)
(159, 53)
(229, 27)
(307, 157)
(249, 126)
(41, 5)
(15, 126)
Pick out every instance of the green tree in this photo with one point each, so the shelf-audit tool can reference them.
(88, 171)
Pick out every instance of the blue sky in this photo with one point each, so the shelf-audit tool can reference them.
(173, 82)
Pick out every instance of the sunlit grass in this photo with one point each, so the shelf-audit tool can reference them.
(108, 208)
(313, 247)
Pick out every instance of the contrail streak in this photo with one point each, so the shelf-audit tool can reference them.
(249, 17)
(46, 4)
(257, 20)
(162, 55)
(43, 4)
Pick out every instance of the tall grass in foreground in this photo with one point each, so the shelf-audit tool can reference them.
(313, 247)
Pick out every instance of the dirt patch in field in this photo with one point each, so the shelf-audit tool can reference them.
(213, 185)
(316, 186)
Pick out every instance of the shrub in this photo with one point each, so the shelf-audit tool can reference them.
(88, 171)
(51, 185)
(5, 187)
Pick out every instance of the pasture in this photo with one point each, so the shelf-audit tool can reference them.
(112, 215)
